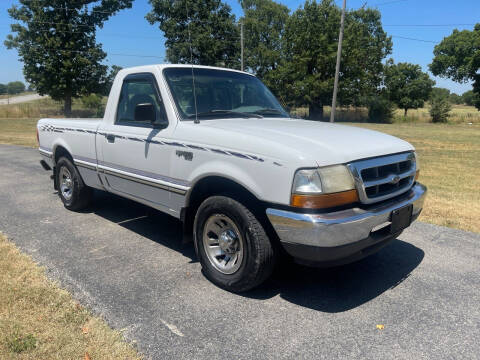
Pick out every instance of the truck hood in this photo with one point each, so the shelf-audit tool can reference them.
(323, 143)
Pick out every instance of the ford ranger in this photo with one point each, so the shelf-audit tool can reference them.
(215, 149)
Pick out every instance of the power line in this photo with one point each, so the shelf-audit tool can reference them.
(389, 2)
(53, 31)
(110, 53)
(428, 25)
(414, 39)
(70, 9)
(65, 24)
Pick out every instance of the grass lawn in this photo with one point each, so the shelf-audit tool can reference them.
(38, 320)
(449, 158)
(18, 132)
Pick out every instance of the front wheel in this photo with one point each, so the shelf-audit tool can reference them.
(234, 250)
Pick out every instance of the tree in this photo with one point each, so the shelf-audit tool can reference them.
(3, 89)
(310, 41)
(470, 98)
(15, 87)
(407, 85)
(455, 99)
(56, 41)
(439, 109)
(458, 57)
(439, 92)
(264, 24)
(110, 78)
(381, 110)
(204, 27)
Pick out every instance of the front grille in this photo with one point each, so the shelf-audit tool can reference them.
(384, 177)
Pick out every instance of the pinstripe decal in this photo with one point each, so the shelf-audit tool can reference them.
(146, 174)
(170, 184)
(51, 128)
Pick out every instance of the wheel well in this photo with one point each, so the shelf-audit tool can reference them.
(60, 151)
(217, 185)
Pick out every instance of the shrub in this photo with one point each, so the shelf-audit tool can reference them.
(381, 110)
(439, 109)
(92, 101)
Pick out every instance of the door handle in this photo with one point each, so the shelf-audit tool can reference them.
(110, 138)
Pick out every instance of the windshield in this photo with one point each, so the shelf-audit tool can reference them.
(221, 94)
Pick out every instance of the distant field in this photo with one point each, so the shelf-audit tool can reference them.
(460, 114)
(46, 108)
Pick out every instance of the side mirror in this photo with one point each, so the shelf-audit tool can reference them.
(145, 112)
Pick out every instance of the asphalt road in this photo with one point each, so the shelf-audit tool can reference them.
(20, 99)
(126, 262)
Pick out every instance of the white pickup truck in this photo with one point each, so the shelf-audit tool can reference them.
(214, 148)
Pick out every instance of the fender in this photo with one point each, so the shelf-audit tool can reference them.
(230, 171)
(60, 142)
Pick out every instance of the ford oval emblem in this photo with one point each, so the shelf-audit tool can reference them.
(395, 180)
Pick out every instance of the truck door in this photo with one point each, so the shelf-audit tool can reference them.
(134, 159)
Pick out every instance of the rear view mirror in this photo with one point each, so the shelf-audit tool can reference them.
(145, 113)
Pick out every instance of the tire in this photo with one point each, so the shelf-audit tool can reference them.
(73, 192)
(251, 256)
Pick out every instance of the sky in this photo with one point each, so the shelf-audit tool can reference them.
(129, 40)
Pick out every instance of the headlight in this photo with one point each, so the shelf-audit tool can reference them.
(307, 182)
(323, 187)
(330, 179)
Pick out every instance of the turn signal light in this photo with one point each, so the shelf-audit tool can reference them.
(322, 201)
(417, 174)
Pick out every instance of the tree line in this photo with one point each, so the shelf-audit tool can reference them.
(292, 52)
(12, 88)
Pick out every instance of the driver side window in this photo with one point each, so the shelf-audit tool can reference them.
(139, 89)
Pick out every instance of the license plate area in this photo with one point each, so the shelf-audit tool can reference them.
(401, 218)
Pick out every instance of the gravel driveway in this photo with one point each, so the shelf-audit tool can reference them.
(20, 99)
(127, 263)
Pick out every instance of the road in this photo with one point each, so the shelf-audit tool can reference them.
(20, 99)
(126, 263)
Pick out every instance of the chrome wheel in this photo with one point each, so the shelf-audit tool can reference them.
(66, 183)
(223, 243)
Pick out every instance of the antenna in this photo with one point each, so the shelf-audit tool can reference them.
(191, 63)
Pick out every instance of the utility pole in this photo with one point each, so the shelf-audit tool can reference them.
(337, 69)
(241, 44)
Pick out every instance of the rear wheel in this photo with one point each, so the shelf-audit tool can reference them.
(73, 192)
(234, 250)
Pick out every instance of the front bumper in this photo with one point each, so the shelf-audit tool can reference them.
(342, 236)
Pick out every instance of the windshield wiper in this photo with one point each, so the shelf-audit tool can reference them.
(225, 112)
(269, 111)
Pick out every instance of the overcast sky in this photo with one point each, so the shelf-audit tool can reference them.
(128, 33)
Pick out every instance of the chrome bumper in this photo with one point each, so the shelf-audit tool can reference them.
(345, 227)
